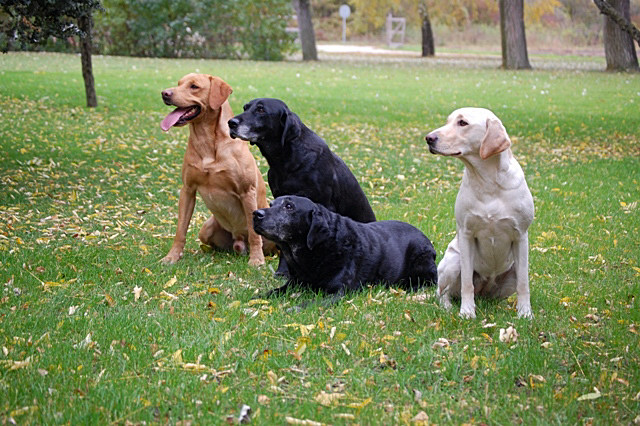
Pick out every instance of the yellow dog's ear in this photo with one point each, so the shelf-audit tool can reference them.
(219, 92)
(495, 139)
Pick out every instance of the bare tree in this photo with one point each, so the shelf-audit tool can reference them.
(85, 24)
(514, 42)
(619, 33)
(305, 25)
(428, 45)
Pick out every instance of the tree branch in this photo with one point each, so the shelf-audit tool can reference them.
(609, 11)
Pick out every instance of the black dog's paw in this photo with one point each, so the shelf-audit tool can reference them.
(283, 270)
(279, 274)
(275, 292)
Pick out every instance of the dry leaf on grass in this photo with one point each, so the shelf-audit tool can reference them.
(294, 421)
(109, 300)
(589, 396)
(509, 335)
(346, 416)
(420, 418)
(387, 362)
(327, 399)
(14, 365)
(170, 283)
(86, 343)
(168, 296)
(346, 350)
(417, 395)
(136, 293)
(176, 357)
(440, 343)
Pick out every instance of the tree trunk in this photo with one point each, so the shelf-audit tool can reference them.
(85, 23)
(619, 50)
(428, 45)
(514, 42)
(305, 26)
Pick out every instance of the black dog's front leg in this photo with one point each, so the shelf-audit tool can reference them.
(283, 268)
(327, 302)
(276, 292)
(336, 289)
(333, 298)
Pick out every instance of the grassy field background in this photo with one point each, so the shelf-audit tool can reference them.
(93, 329)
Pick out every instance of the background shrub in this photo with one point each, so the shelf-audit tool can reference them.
(194, 29)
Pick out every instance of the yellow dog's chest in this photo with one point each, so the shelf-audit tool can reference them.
(217, 187)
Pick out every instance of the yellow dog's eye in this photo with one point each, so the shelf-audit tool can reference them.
(462, 123)
(193, 86)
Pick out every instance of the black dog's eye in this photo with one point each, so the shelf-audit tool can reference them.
(288, 206)
(462, 123)
(193, 86)
(259, 108)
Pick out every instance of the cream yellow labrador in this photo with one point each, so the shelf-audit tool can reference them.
(494, 208)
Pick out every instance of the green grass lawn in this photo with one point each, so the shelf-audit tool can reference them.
(88, 206)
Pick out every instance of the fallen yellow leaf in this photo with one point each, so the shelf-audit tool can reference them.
(327, 399)
(109, 300)
(177, 357)
(170, 283)
(589, 396)
(294, 421)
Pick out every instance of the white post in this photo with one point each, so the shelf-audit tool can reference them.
(344, 29)
(344, 11)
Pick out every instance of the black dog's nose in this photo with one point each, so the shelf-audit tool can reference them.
(431, 138)
(258, 214)
(166, 96)
(233, 123)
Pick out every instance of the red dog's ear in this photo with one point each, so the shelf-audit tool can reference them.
(495, 139)
(219, 92)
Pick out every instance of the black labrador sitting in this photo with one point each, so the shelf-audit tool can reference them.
(330, 252)
(300, 161)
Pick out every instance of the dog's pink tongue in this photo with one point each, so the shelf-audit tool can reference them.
(172, 118)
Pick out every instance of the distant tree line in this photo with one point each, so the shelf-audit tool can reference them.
(166, 28)
(618, 31)
(368, 16)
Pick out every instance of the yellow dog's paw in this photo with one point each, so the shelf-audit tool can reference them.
(256, 261)
(171, 258)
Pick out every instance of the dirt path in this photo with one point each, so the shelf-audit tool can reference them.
(587, 61)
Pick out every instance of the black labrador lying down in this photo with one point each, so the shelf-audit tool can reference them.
(330, 252)
(300, 161)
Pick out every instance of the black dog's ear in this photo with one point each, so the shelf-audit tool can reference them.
(290, 125)
(319, 229)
